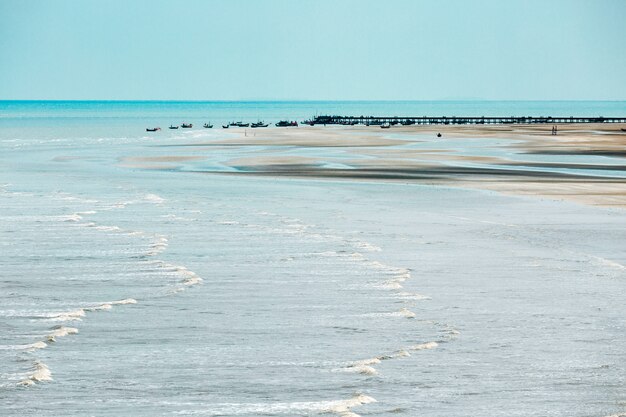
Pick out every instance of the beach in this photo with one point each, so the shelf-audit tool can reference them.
(573, 165)
(310, 271)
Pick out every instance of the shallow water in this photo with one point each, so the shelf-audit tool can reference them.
(137, 292)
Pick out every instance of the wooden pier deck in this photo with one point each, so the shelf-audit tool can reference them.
(455, 120)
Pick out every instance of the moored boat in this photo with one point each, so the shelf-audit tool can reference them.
(154, 129)
(385, 126)
(224, 126)
(259, 124)
(173, 127)
(187, 125)
(239, 124)
(286, 123)
(208, 126)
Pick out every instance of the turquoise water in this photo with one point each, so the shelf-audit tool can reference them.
(163, 113)
(169, 292)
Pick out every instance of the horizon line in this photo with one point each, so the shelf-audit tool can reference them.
(304, 100)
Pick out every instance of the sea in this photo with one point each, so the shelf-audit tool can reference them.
(131, 291)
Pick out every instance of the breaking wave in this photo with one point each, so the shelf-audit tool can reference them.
(40, 373)
(342, 408)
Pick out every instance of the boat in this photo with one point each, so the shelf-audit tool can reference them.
(208, 126)
(259, 124)
(173, 127)
(225, 126)
(186, 126)
(239, 124)
(385, 126)
(154, 129)
(623, 130)
(286, 123)
(438, 135)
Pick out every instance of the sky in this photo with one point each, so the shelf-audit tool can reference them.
(313, 50)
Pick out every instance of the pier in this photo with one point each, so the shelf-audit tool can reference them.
(455, 120)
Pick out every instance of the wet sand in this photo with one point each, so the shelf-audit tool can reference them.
(585, 163)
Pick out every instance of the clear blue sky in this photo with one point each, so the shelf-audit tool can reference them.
(321, 49)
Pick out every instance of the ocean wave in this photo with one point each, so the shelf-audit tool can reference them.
(159, 245)
(412, 296)
(153, 198)
(75, 217)
(228, 222)
(424, 346)
(342, 408)
(35, 346)
(107, 228)
(124, 301)
(403, 312)
(72, 315)
(31, 347)
(40, 373)
(60, 331)
(365, 366)
(607, 262)
(370, 247)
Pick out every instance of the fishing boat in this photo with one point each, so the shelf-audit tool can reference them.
(259, 124)
(286, 123)
(225, 126)
(385, 126)
(173, 127)
(208, 126)
(154, 129)
(239, 124)
(186, 126)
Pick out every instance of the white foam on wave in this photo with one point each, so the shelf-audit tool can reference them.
(31, 347)
(189, 278)
(70, 218)
(124, 301)
(178, 218)
(158, 246)
(402, 353)
(424, 346)
(342, 408)
(192, 281)
(104, 306)
(108, 228)
(360, 369)
(153, 198)
(73, 315)
(370, 247)
(40, 373)
(608, 262)
(412, 296)
(403, 312)
(60, 331)
(363, 367)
